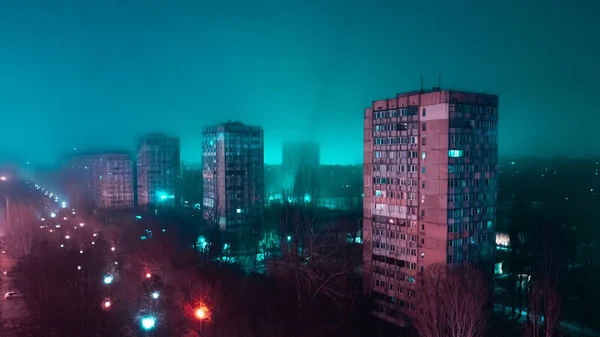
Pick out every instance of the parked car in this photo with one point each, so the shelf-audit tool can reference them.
(12, 294)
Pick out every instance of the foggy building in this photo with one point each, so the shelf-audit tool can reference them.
(105, 179)
(158, 171)
(430, 182)
(233, 176)
(299, 161)
(297, 155)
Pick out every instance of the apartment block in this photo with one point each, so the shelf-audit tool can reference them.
(158, 171)
(430, 190)
(105, 180)
(233, 176)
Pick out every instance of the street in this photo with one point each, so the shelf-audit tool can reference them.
(14, 308)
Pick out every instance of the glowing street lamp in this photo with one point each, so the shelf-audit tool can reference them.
(148, 275)
(112, 249)
(3, 178)
(67, 237)
(155, 295)
(81, 224)
(108, 279)
(53, 215)
(148, 322)
(200, 313)
(106, 304)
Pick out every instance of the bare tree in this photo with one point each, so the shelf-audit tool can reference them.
(22, 228)
(453, 302)
(544, 304)
(314, 264)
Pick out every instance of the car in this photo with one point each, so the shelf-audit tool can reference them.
(12, 294)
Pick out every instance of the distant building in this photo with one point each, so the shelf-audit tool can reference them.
(233, 176)
(298, 155)
(105, 180)
(299, 161)
(158, 171)
(191, 185)
(430, 191)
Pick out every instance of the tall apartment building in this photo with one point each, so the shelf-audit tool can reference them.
(158, 171)
(430, 182)
(233, 176)
(105, 180)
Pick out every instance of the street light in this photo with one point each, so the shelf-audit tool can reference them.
(148, 275)
(106, 304)
(148, 322)
(200, 313)
(108, 279)
(3, 178)
(155, 295)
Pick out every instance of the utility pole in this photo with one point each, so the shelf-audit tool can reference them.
(7, 208)
(2, 284)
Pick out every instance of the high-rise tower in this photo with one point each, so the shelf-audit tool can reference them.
(158, 171)
(430, 182)
(233, 176)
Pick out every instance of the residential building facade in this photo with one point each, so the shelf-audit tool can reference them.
(105, 180)
(233, 176)
(430, 190)
(158, 171)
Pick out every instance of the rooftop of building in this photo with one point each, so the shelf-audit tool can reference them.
(436, 95)
(232, 126)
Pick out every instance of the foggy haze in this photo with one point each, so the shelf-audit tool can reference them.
(81, 74)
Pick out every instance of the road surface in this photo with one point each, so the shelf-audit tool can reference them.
(14, 308)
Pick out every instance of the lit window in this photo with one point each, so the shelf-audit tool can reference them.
(455, 153)
(423, 154)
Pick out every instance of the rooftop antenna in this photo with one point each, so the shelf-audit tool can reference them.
(421, 81)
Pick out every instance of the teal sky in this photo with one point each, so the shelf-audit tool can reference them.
(87, 73)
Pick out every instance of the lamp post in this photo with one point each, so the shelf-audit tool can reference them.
(201, 313)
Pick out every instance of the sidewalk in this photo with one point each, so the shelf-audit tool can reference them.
(571, 328)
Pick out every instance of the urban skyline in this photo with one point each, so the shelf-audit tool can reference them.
(175, 78)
